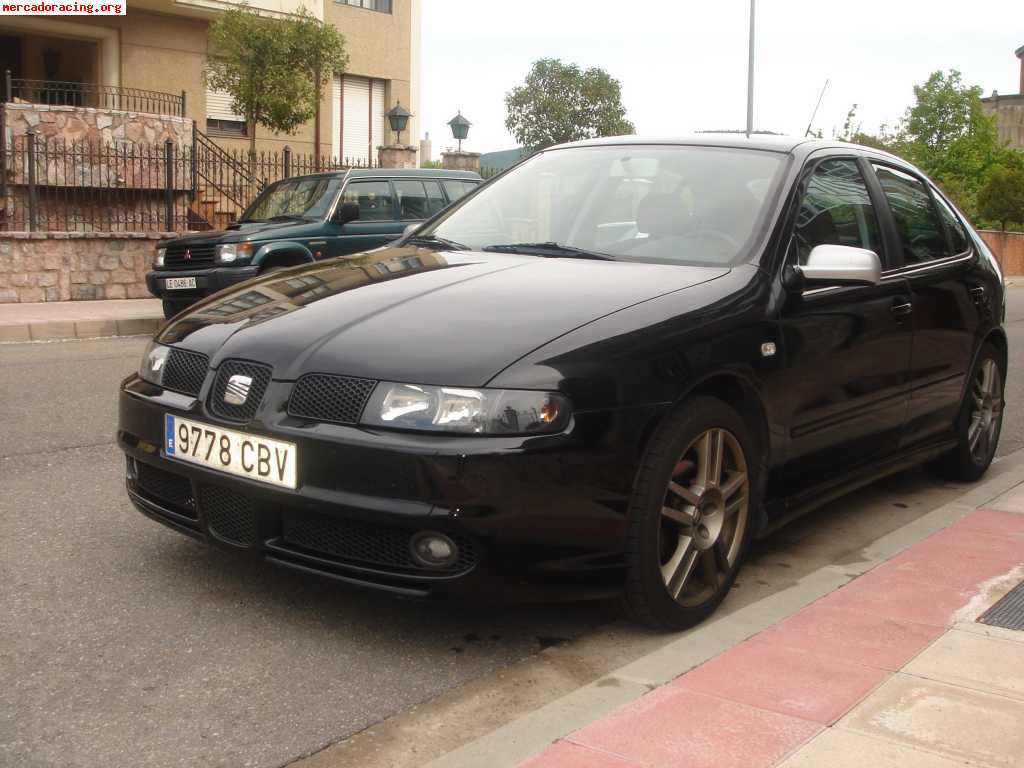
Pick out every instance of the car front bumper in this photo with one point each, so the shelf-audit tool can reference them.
(533, 517)
(208, 281)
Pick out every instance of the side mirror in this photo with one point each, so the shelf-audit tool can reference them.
(410, 229)
(346, 212)
(841, 265)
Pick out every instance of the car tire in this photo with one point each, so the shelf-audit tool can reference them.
(979, 422)
(171, 308)
(690, 526)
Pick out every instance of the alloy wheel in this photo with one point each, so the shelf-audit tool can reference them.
(986, 410)
(704, 517)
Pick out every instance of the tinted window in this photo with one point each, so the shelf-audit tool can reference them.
(307, 197)
(836, 210)
(957, 234)
(373, 199)
(657, 204)
(435, 197)
(457, 189)
(916, 220)
(412, 199)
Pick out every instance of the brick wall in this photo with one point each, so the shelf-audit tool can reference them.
(72, 266)
(1008, 248)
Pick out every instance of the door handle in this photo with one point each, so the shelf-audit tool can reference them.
(901, 307)
(978, 294)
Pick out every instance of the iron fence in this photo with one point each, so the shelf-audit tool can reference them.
(74, 94)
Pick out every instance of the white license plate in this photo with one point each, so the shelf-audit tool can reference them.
(237, 453)
(179, 283)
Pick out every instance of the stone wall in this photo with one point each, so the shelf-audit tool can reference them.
(1008, 248)
(72, 266)
(96, 126)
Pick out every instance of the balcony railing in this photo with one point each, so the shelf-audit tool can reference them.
(71, 94)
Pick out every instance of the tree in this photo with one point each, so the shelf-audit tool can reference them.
(320, 52)
(1001, 197)
(559, 102)
(257, 61)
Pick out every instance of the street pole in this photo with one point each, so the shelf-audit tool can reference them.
(750, 76)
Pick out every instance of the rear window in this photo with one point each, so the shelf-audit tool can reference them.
(957, 235)
(457, 189)
(917, 220)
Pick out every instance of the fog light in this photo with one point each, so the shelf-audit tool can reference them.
(433, 550)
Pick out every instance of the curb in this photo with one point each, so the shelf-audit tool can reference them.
(78, 329)
(532, 733)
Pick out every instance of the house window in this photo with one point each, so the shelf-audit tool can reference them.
(384, 6)
(219, 117)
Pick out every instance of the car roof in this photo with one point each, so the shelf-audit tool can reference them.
(769, 142)
(416, 173)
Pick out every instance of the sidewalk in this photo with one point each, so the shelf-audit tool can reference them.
(891, 670)
(50, 321)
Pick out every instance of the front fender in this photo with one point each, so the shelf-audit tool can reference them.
(281, 246)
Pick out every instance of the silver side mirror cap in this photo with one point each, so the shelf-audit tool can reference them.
(841, 265)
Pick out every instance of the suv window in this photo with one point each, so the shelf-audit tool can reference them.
(457, 189)
(957, 235)
(435, 197)
(373, 199)
(836, 210)
(916, 218)
(412, 199)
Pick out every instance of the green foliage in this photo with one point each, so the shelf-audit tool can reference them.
(431, 164)
(560, 102)
(1001, 197)
(274, 69)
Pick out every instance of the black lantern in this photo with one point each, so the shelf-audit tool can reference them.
(460, 127)
(399, 119)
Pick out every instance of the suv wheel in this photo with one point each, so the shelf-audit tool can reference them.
(691, 515)
(980, 421)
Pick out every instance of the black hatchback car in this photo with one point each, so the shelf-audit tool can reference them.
(607, 369)
(300, 220)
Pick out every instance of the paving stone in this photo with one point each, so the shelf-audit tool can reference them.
(564, 754)
(790, 682)
(974, 661)
(957, 723)
(838, 748)
(677, 727)
(882, 592)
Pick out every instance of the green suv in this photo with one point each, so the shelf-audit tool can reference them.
(303, 219)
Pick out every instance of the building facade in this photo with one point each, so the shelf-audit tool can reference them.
(161, 45)
(1009, 110)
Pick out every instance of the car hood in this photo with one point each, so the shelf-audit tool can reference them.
(254, 230)
(417, 315)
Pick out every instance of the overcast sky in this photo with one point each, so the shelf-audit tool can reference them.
(683, 63)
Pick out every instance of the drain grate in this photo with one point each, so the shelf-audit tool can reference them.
(1008, 612)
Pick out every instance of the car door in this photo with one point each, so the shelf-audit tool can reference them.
(937, 263)
(847, 347)
(377, 223)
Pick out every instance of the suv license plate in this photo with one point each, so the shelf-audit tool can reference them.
(179, 283)
(238, 453)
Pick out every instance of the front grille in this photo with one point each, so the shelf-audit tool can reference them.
(230, 516)
(197, 256)
(184, 371)
(260, 375)
(165, 487)
(323, 397)
(360, 542)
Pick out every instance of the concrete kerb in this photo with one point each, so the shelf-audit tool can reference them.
(78, 329)
(532, 733)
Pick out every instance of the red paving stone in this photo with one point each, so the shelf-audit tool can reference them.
(760, 700)
(784, 680)
(563, 754)
(676, 727)
(858, 638)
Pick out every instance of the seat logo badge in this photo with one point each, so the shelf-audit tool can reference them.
(188, 254)
(768, 349)
(237, 390)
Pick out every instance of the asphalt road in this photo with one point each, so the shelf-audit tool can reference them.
(122, 643)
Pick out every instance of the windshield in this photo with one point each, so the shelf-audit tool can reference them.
(661, 204)
(299, 198)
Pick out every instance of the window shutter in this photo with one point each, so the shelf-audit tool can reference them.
(336, 117)
(356, 119)
(377, 120)
(218, 106)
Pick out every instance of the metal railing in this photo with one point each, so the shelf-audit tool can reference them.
(73, 94)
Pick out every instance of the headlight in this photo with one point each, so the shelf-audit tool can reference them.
(154, 360)
(161, 254)
(471, 411)
(232, 251)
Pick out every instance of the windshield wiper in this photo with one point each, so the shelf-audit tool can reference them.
(435, 240)
(288, 217)
(548, 250)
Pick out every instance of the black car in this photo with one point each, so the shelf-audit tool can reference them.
(300, 220)
(605, 370)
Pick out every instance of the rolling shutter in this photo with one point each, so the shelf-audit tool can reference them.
(336, 118)
(218, 106)
(377, 136)
(355, 107)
